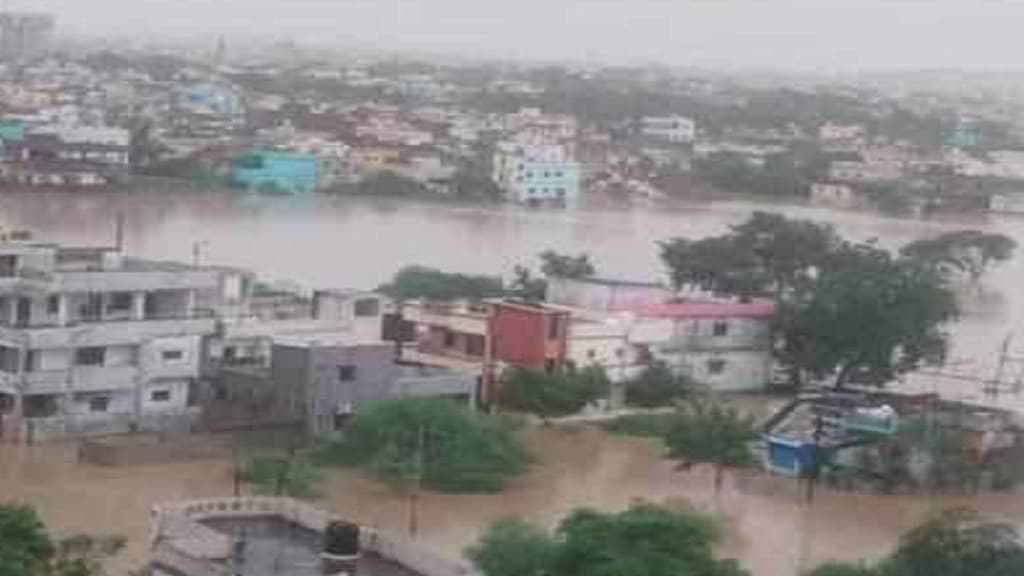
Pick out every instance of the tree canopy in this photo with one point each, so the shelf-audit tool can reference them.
(431, 441)
(954, 543)
(414, 282)
(848, 311)
(709, 433)
(968, 252)
(549, 394)
(644, 540)
(26, 549)
(766, 255)
(566, 265)
(657, 386)
(866, 316)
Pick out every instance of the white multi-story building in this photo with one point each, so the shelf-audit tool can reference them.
(94, 342)
(537, 173)
(675, 129)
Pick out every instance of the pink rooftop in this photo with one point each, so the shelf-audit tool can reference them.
(706, 309)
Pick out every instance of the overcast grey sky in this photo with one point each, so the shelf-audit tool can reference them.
(818, 35)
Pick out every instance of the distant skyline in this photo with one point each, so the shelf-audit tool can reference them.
(821, 36)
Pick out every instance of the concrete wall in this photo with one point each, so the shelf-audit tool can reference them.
(741, 369)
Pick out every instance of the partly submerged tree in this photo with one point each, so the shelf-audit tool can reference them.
(706, 432)
(558, 265)
(641, 541)
(414, 282)
(550, 394)
(967, 252)
(26, 549)
(430, 442)
(867, 317)
(657, 386)
(282, 477)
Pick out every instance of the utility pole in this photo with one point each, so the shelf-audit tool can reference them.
(812, 477)
(414, 496)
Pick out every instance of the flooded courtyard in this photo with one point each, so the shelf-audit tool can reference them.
(765, 520)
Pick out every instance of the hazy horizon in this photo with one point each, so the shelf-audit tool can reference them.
(820, 36)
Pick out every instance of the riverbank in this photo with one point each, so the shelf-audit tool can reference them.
(767, 525)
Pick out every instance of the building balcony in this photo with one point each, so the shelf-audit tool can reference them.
(456, 321)
(129, 281)
(106, 333)
(81, 379)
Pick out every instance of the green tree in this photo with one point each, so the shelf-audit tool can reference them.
(866, 316)
(969, 252)
(708, 433)
(657, 386)
(525, 286)
(956, 542)
(429, 441)
(641, 541)
(550, 394)
(27, 550)
(558, 265)
(513, 547)
(414, 282)
(768, 254)
(282, 477)
(387, 183)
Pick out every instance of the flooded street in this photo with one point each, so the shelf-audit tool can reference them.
(765, 521)
(357, 242)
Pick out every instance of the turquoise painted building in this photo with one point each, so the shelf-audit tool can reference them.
(12, 130)
(278, 171)
(963, 138)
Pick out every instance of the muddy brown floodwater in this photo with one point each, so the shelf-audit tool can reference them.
(765, 521)
(327, 241)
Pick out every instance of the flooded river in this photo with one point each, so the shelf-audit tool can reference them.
(355, 242)
(326, 241)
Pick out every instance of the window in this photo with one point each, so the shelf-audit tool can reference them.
(346, 373)
(30, 361)
(560, 192)
(39, 405)
(91, 356)
(99, 403)
(716, 366)
(547, 174)
(160, 396)
(171, 355)
(529, 174)
(367, 308)
(591, 354)
(554, 327)
(53, 304)
(449, 339)
(120, 302)
(558, 174)
(475, 345)
(532, 191)
(721, 328)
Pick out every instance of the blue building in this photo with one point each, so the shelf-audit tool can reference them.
(277, 171)
(538, 174)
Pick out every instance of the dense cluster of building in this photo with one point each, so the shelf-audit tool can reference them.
(291, 123)
(94, 342)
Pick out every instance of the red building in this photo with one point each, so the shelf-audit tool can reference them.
(528, 335)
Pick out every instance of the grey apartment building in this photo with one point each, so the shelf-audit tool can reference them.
(94, 342)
